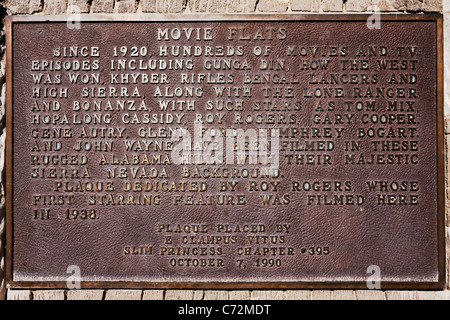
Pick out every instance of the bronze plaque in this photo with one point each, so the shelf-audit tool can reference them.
(258, 151)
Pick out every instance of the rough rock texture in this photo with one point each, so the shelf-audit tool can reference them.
(78, 6)
(225, 295)
(19, 295)
(48, 295)
(393, 5)
(164, 6)
(123, 295)
(85, 294)
(220, 6)
(184, 295)
(366, 5)
(55, 6)
(153, 295)
(102, 6)
(321, 295)
(424, 5)
(19, 6)
(125, 6)
(241, 6)
(381, 5)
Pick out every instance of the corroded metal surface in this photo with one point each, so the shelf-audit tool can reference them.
(141, 161)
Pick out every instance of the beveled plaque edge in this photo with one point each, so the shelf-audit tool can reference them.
(440, 284)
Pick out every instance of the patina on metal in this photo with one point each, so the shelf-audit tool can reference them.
(231, 151)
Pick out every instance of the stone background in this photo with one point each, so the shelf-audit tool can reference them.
(36, 7)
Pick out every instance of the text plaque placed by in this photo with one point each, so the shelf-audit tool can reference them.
(237, 151)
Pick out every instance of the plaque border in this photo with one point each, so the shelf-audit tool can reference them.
(237, 285)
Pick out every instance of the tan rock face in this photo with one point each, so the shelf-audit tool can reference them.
(126, 6)
(165, 6)
(424, 5)
(78, 6)
(273, 5)
(317, 5)
(220, 6)
(373, 5)
(55, 7)
(103, 6)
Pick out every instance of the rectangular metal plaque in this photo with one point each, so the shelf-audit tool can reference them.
(234, 151)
